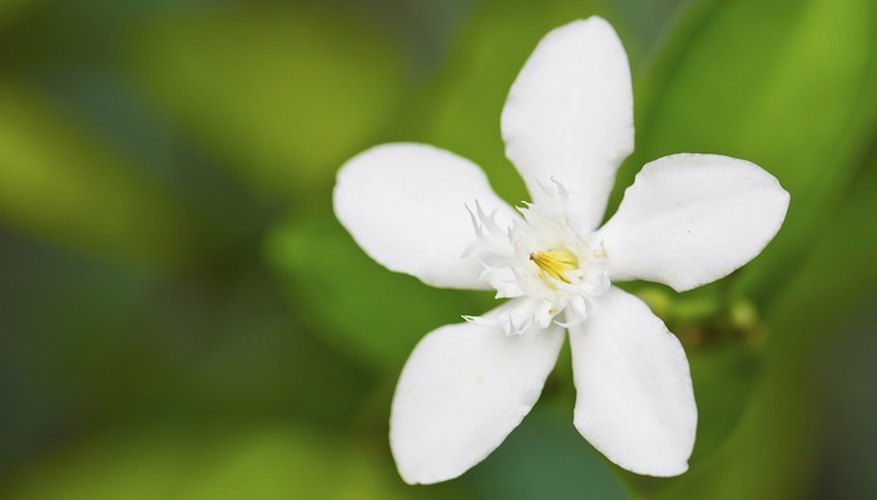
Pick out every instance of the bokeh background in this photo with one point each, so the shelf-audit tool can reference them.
(182, 317)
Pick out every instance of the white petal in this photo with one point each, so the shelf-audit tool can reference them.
(569, 115)
(405, 205)
(634, 399)
(462, 391)
(690, 219)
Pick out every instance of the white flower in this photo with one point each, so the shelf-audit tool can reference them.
(687, 220)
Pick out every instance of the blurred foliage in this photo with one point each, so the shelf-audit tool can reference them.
(11, 8)
(544, 454)
(786, 95)
(261, 86)
(62, 183)
(317, 261)
(784, 419)
(213, 465)
(181, 316)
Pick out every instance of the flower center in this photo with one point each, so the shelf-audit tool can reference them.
(555, 264)
(543, 260)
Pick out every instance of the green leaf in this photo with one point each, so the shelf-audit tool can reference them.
(356, 305)
(774, 450)
(287, 463)
(545, 458)
(786, 86)
(256, 360)
(275, 462)
(58, 182)
(283, 95)
(11, 8)
(781, 84)
(723, 381)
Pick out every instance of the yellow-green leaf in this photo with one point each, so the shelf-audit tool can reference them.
(58, 182)
(282, 96)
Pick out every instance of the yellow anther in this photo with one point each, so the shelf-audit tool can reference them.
(555, 264)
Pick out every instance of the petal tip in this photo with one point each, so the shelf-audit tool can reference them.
(591, 21)
(418, 471)
(650, 467)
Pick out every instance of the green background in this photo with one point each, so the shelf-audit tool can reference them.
(182, 316)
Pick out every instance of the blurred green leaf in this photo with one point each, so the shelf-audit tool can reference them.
(355, 304)
(284, 95)
(288, 463)
(60, 183)
(723, 381)
(135, 469)
(545, 458)
(256, 360)
(788, 95)
(773, 452)
(10, 8)
(781, 84)
(274, 462)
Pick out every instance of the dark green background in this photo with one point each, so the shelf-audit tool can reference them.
(181, 315)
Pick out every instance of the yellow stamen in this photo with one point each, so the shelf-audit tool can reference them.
(554, 264)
